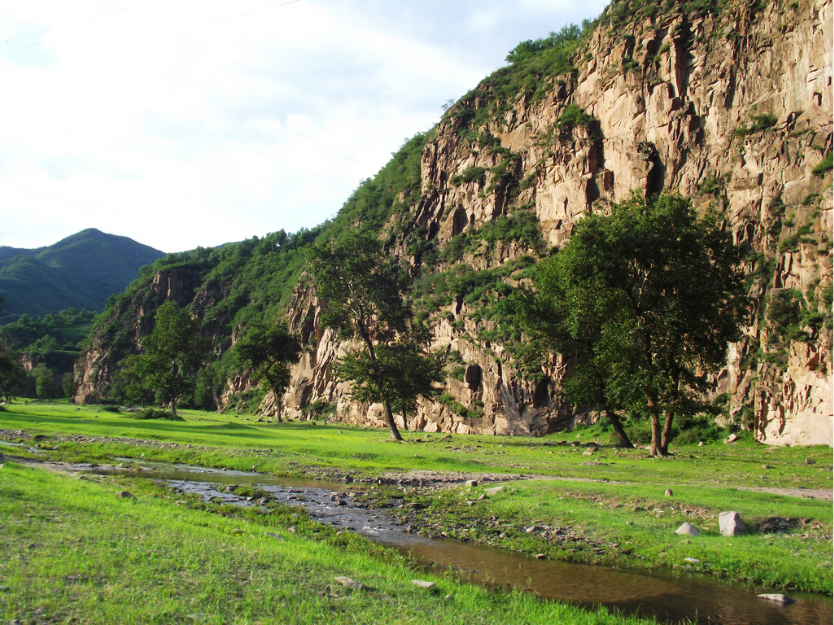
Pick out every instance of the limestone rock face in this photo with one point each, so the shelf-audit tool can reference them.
(682, 120)
(733, 110)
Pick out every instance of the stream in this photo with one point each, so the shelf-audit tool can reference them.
(671, 598)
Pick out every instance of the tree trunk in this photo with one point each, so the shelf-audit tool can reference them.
(657, 448)
(667, 425)
(618, 430)
(173, 407)
(277, 405)
(389, 420)
(667, 433)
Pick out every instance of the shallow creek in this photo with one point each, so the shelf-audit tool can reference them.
(670, 598)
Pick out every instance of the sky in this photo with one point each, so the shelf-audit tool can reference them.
(185, 123)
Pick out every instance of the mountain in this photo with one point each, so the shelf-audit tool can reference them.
(81, 271)
(727, 102)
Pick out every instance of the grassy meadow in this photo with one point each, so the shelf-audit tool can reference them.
(606, 507)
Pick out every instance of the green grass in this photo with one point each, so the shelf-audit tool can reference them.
(73, 552)
(596, 500)
(633, 526)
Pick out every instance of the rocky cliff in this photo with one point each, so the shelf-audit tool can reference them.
(732, 108)
(729, 103)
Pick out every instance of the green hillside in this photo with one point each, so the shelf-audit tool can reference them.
(81, 271)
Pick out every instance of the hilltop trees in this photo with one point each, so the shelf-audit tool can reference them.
(647, 298)
(269, 350)
(362, 297)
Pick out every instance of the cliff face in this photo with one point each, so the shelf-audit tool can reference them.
(733, 110)
(730, 107)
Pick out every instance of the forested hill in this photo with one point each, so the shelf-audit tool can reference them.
(80, 271)
(726, 102)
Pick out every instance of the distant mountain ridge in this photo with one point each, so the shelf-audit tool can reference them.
(80, 271)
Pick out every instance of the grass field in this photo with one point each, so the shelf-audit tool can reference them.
(73, 552)
(618, 501)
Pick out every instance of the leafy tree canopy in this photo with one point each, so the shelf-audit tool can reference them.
(269, 350)
(648, 297)
(173, 352)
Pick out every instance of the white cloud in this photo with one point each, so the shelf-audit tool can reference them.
(190, 123)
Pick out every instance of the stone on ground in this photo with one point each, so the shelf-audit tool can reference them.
(687, 529)
(125, 495)
(489, 492)
(347, 582)
(424, 584)
(730, 523)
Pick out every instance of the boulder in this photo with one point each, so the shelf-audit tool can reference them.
(471, 483)
(668, 492)
(489, 492)
(687, 529)
(777, 598)
(125, 495)
(431, 586)
(730, 524)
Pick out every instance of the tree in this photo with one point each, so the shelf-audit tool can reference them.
(543, 314)
(172, 352)
(362, 297)
(400, 373)
(44, 380)
(651, 295)
(12, 372)
(269, 351)
(68, 384)
(132, 379)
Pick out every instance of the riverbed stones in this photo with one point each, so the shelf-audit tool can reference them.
(777, 598)
(429, 586)
(730, 523)
(687, 529)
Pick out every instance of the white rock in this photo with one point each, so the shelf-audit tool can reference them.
(777, 598)
(424, 584)
(687, 529)
(730, 523)
(489, 492)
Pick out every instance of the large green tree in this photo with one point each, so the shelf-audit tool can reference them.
(173, 352)
(650, 295)
(361, 292)
(269, 350)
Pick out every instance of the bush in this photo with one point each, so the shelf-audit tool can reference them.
(111, 408)
(154, 413)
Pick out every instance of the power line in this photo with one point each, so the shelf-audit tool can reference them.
(85, 19)
(83, 32)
